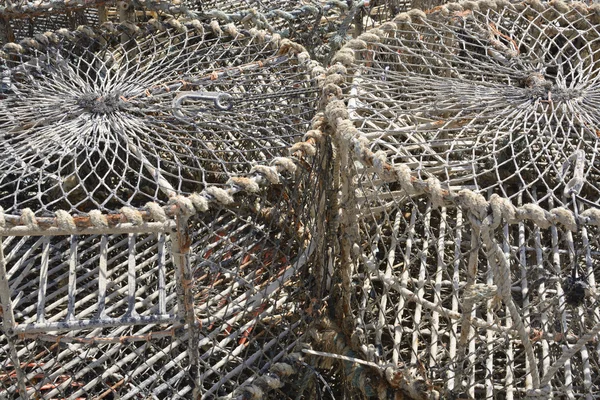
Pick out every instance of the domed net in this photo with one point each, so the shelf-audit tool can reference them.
(494, 100)
(125, 115)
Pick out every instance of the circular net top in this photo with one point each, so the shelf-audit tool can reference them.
(125, 115)
(491, 96)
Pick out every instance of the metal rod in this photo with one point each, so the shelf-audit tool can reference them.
(72, 279)
(162, 302)
(131, 277)
(8, 322)
(41, 303)
(102, 276)
(95, 323)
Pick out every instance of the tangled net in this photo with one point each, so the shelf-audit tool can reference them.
(125, 115)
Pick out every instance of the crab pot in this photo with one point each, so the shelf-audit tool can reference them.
(206, 296)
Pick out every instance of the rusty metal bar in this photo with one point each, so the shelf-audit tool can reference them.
(185, 298)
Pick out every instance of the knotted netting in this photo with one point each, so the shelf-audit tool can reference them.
(123, 115)
(468, 233)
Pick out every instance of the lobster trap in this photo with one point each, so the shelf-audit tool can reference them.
(468, 248)
(127, 270)
(196, 298)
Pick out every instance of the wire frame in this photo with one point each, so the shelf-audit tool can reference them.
(484, 98)
(321, 26)
(125, 115)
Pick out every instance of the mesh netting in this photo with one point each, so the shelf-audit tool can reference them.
(501, 100)
(434, 233)
(124, 115)
(468, 233)
(322, 26)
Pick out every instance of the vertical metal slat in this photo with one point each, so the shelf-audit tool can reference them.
(102, 276)
(41, 303)
(72, 278)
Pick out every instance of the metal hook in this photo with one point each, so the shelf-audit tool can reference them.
(577, 160)
(222, 101)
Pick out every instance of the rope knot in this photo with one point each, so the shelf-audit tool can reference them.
(220, 195)
(156, 212)
(132, 215)
(270, 173)
(185, 205)
(98, 219)
(29, 219)
(246, 184)
(65, 221)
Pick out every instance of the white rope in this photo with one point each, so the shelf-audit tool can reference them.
(65, 221)
(98, 219)
(29, 219)
(156, 212)
(270, 173)
(246, 184)
(133, 216)
(501, 269)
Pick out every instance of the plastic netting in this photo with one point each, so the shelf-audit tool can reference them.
(468, 251)
(124, 115)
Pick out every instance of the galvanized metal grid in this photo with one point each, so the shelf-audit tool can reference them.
(461, 275)
(124, 115)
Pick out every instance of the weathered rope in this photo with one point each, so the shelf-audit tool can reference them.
(501, 270)
(272, 380)
(28, 8)
(337, 113)
(192, 26)
(259, 175)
